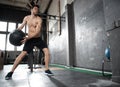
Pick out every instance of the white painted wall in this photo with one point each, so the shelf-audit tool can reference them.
(54, 9)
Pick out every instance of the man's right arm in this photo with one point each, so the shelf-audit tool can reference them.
(23, 23)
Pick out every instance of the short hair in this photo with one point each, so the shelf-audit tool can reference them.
(35, 6)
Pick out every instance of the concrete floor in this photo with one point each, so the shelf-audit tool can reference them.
(22, 77)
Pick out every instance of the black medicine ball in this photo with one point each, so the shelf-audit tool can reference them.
(16, 36)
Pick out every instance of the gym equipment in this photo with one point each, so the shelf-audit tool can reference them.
(36, 56)
(107, 53)
(16, 36)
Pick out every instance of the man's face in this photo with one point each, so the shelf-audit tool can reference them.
(35, 10)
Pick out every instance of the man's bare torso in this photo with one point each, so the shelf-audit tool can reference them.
(32, 23)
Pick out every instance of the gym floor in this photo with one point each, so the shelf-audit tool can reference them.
(22, 77)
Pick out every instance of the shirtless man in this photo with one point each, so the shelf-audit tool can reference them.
(32, 39)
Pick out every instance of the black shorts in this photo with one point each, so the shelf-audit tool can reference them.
(38, 42)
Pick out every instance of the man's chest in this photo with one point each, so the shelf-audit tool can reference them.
(32, 22)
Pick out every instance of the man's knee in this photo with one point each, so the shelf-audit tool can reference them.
(23, 54)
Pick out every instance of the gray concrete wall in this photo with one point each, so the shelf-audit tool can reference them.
(92, 19)
(90, 37)
(115, 53)
(112, 24)
(90, 34)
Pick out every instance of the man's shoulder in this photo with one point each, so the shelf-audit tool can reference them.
(39, 18)
(27, 16)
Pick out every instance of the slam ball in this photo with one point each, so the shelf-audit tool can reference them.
(16, 36)
(107, 53)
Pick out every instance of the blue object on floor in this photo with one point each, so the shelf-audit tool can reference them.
(107, 53)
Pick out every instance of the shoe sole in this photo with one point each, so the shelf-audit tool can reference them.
(49, 74)
(8, 78)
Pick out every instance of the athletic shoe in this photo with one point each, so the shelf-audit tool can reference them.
(48, 72)
(8, 76)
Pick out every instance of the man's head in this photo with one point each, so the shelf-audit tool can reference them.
(35, 9)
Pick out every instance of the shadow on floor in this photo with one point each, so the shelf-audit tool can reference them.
(57, 82)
